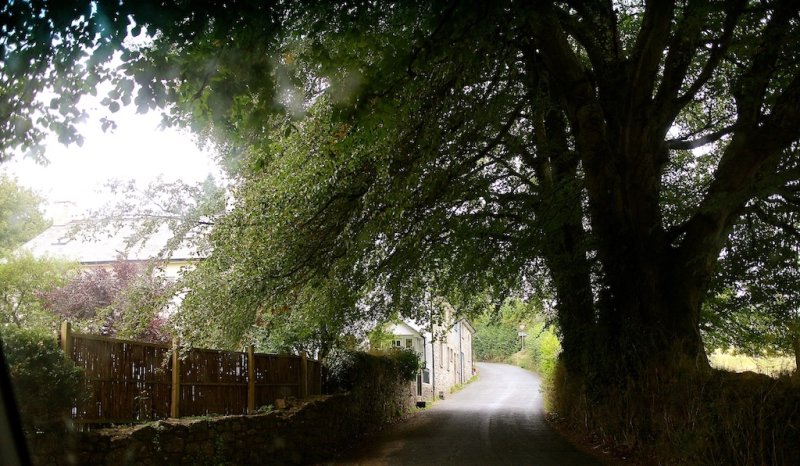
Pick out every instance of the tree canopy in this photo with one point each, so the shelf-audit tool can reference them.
(21, 217)
(610, 151)
(23, 280)
(124, 300)
(24, 277)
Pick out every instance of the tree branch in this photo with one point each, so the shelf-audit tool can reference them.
(648, 52)
(597, 32)
(718, 50)
(751, 88)
(681, 144)
(773, 220)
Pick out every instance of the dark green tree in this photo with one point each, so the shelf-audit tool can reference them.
(375, 145)
(489, 143)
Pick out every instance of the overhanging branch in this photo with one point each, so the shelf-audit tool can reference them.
(682, 144)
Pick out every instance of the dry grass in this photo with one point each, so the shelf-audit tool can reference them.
(685, 417)
(771, 366)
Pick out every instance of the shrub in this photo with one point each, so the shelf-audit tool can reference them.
(406, 361)
(378, 382)
(46, 382)
(544, 347)
(495, 342)
(346, 370)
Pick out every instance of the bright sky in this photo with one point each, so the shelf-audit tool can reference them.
(137, 150)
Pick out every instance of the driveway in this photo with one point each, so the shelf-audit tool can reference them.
(498, 419)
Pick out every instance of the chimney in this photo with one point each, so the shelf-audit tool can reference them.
(62, 212)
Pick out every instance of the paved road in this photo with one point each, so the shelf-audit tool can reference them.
(498, 419)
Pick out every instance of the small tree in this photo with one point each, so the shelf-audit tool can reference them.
(124, 300)
(21, 217)
(23, 281)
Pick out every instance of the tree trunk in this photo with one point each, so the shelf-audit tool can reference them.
(650, 309)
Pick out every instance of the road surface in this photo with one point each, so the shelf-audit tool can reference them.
(498, 419)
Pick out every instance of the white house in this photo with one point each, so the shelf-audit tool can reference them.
(445, 352)
(63, 240)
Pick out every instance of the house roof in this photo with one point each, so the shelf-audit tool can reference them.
(403, 328)
(108, 245)
(468, 324)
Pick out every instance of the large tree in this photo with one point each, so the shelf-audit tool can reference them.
(612, 146)
(487, 143)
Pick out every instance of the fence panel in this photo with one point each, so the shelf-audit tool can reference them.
(314, 379)
(213, 382)
(125, 381)
(276, 377)
(129, 381)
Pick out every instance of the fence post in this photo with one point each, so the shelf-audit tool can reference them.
(66, 339)
(318, 379)
(175, 406)
(251, 380)
(303, 375)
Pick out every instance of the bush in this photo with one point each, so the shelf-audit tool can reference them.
(495, 342)
(347, 370)
(376, 380)
(406, 361)
(544, 347)
(46, 382)
(540, 355)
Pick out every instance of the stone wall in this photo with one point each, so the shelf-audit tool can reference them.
(306, 431)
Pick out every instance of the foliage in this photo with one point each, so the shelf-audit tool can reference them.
(24, 277)
(380, 337)
(46, 382)
(435, 145)
(755, 303)
(20, 215)
(408, 363)
(773, 366)
(374, 146)
(496, 337)
(23, 281)
(541, 352)
(124, 300)
(53, 53)
(347, 370)
(187, 211)
(493, 148)
(495, 342)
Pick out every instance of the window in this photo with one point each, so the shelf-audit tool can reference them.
(441, 354)
(396, 343)
(409, 343)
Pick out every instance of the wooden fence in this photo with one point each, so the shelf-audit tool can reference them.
(130, 381)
